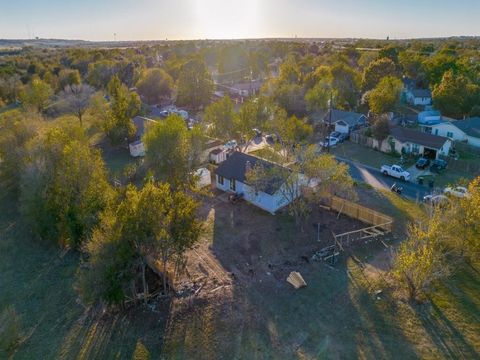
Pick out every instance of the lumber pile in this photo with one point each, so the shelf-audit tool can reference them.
(296, 280)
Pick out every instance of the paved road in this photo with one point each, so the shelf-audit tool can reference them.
(376, 179)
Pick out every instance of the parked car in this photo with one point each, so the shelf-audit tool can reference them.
(422, 163)
(395, 171)
(436, 200)
(231, 145)
(329, 141)
(340, 136)
(438, 165)
(457, 191)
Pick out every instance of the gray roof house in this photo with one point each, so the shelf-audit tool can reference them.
(470, 126)
(231, 177)
(344, 121)
(417, 142)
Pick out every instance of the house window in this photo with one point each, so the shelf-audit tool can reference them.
(449, 134)
(428, 130)
(415, 149)
(220, 180)
(436, 131)
(233, 186)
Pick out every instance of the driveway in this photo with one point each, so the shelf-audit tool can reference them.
(376, 179)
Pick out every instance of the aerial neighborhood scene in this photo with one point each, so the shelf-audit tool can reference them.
(206, 179)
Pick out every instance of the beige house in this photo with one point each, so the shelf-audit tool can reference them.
(407, 141)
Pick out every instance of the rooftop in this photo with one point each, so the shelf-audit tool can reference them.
(470, 126)
(235, 167)
(421, 93)
(349, 117)
(418, 137)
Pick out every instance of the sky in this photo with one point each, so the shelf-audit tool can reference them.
(226, 19)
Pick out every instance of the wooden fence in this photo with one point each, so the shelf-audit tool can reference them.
(466, 166)
(361, 213)
(361, 139)
(461, 146)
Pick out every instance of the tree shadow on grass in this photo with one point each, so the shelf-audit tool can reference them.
(452, 319)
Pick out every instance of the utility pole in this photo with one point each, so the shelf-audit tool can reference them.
(330, 107)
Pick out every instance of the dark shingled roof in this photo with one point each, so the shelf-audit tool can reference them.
(235, 168)
(140, 123)
(418, 137)
(470, 126)
(349, 117)
(421, 93)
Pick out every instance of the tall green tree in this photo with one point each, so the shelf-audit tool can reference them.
(455, 96)
(17, 131)
(36, 95)
(172, 151)
(195, 84)
(152, 223)
(376, 71)
(221, 117)
(385, 97)
(124, 105)
(64, 187)
(155, 85)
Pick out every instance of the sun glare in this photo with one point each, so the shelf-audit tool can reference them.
(221, 19)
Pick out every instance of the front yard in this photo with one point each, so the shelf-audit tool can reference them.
(367, 156)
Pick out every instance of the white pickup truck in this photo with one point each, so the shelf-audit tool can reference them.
(395, 171)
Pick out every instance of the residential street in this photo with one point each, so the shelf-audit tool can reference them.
(375, 178)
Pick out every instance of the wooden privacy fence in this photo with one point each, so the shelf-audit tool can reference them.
(361, 213)
(468, 166)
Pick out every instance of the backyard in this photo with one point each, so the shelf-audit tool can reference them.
(245, 308)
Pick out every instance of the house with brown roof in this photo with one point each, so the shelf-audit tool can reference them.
(408, 141)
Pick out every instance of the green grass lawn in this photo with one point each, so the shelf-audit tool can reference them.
(364, 155)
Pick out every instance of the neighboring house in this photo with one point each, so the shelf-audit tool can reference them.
(246, 89)
(471, 129)
(419, 96)
(231, 177)
(344, 121)
(429, 117)
(403, 140)
(415, 95)
(217, 156)
(211, 145)
(136, 147)
(467, 130)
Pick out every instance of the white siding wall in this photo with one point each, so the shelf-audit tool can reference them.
(137, 149)
(270, 203)
(448, 129)
(344, 129)
(473, 141)
(409, 146)
(422, 101)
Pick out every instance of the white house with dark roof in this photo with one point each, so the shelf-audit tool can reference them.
(344, 121)
(231, 177)
(136, 147)
(419, 97)
(467, 130)
(403, 140)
